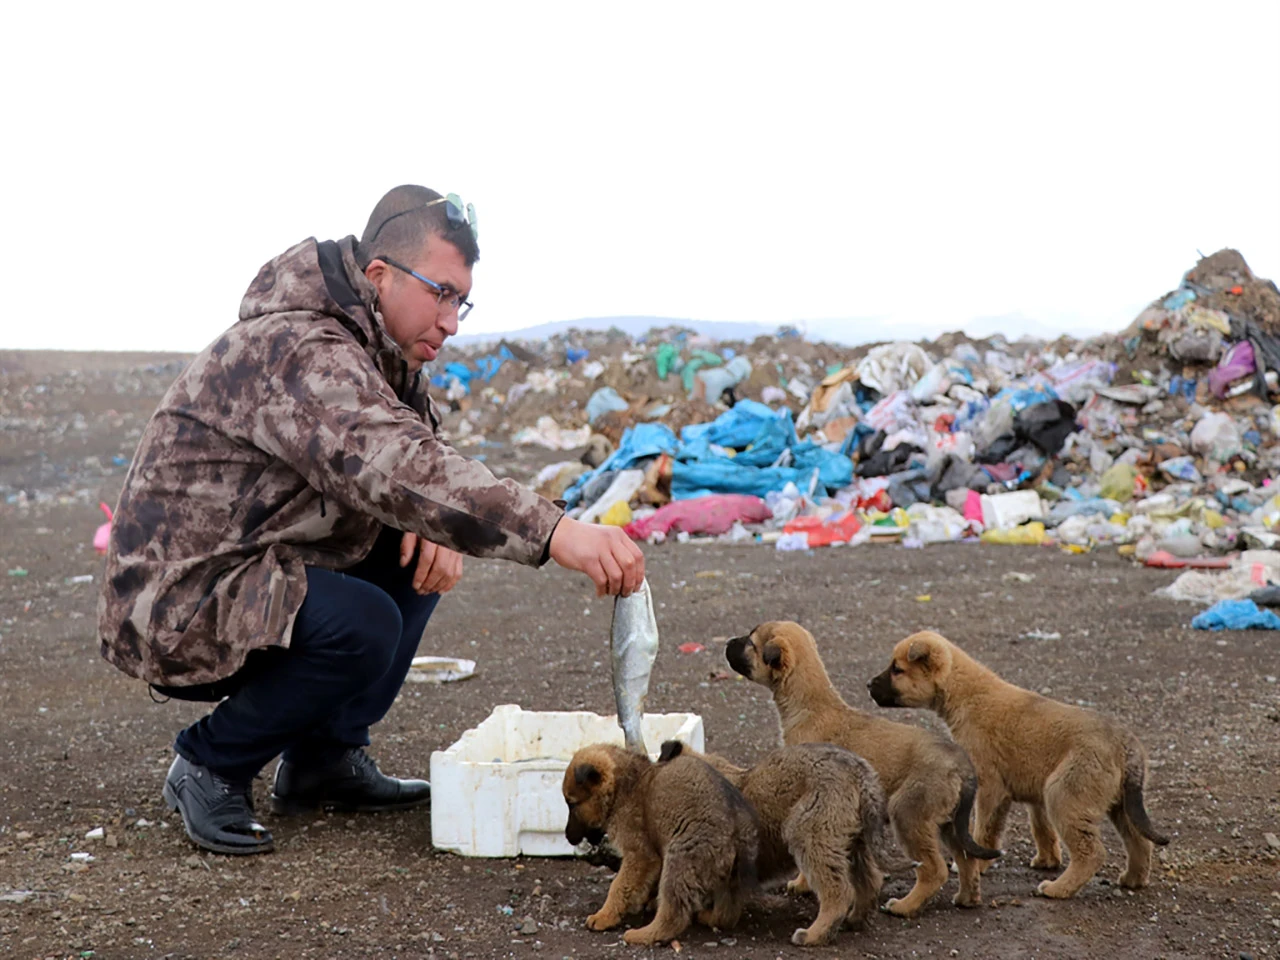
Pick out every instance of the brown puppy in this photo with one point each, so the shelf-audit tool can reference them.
(683, 830)
(821, 808)
(1071, 766)
(928, 779)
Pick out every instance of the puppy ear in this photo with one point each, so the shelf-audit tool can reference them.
(670, 750)
(918, 652)
(585, 775)
(771, 654)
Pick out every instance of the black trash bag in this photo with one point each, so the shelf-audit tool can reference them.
(1266, 596)
(1000, 448)
(1047, 425)
(908, 487)
(955, 473)
(886, 462)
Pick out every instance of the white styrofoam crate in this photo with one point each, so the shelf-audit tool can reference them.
(496, 791)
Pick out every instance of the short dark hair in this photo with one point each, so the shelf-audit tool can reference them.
(402, 221)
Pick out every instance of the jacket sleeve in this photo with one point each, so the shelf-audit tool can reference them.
(327, 412)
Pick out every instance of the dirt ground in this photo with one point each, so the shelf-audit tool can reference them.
(82, 746)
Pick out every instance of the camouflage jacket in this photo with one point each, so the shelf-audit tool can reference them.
(289, 441)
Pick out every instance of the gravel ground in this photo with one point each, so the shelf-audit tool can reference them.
(82, 746)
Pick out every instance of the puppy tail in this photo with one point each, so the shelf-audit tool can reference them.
(960, 823)
(1135, 775)
(877, 840)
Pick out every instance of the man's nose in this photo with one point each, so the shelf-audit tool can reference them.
(448, 322)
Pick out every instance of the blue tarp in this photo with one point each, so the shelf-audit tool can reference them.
(703, 465)
(640, 442)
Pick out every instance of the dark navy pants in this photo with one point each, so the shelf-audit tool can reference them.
(349, 654)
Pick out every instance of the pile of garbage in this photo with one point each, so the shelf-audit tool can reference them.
(1161, 440)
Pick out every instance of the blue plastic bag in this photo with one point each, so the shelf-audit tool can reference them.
(1023, 395)
(605, 400)
(1236, 615)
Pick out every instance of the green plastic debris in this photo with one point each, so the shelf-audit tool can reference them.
(666, 359)
(700, 358)
(17, 572)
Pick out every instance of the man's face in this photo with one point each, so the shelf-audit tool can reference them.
(413, 313)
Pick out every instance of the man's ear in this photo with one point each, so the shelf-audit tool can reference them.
(585, 775)
(771, 654)
(918, 652)
(376, 273)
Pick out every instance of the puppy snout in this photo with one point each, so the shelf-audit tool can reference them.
(881, 690)
(735, 652)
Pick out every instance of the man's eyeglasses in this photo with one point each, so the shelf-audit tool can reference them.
(445, 296)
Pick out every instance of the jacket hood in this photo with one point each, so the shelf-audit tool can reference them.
(322, 277)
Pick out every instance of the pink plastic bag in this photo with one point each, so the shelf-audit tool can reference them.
(711, 515)
(1239, 362)
(102, 536)
(973, 507)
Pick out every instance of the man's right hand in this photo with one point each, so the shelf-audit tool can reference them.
(603, 553)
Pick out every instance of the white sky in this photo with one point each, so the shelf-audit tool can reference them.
(911, 165)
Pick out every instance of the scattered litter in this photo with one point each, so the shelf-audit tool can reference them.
(691, 647)
(102, 536)
(1042, 635)
(97, 833)
(1236, 615)
(439, 670)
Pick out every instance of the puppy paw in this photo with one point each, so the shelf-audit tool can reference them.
(967, 900)
(984, 866)
(602, 921)
(798, 885)
(1052, 890)
(894, 907)
(1133, 881)
(640, 938)
(803, 938)
(1041, 862)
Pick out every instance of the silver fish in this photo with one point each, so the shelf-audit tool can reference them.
(633, 648)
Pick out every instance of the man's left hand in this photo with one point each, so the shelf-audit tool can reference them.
(439, 568)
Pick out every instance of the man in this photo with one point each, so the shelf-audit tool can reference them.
(291, 518)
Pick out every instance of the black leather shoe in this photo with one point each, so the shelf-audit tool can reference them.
(218, 813)
(352, 783)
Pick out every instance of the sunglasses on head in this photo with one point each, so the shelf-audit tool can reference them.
(455, 212)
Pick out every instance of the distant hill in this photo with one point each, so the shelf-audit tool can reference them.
(850, 332)
(632, 326)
